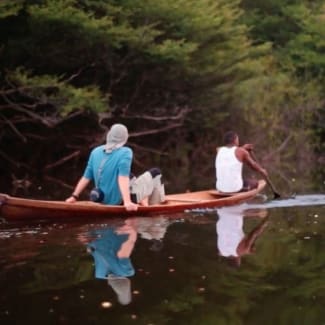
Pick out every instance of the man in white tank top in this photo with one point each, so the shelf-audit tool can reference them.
(229, 165)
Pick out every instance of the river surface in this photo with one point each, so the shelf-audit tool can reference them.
(255, 263)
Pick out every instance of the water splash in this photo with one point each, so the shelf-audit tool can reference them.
(299, 200)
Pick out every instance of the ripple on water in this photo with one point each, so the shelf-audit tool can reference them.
(298, 200)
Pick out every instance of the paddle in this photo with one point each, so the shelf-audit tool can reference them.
(275, 193)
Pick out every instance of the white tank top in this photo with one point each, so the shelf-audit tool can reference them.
(228, 170)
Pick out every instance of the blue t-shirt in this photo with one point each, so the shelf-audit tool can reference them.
(114, 164)
(104, 251)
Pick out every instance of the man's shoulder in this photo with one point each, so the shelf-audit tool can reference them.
(241, 153)
(241, 149)
(226, 148)
(98, 149)
(220, 148)
(125, 150)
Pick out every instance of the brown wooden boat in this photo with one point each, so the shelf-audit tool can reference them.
(14, 208)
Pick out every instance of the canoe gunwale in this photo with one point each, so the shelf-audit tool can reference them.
(14, 208)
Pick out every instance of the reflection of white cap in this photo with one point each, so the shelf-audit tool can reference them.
(122, 287)
(116, 137)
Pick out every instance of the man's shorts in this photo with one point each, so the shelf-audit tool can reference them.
(147, 186)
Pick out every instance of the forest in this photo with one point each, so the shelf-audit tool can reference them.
(178, 73)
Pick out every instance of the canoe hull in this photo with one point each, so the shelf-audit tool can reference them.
(13, 208)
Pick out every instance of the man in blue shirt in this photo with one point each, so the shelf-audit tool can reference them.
(109, 167)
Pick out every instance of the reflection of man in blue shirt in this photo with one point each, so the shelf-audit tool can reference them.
(104, 250)
(111, 252)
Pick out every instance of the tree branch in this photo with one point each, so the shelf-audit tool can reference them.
(141, 148)
(280, 148)
(62, 160)
(180, 115)
(58, 181)
(155, 131)
(12, 161)
(22, 138)
(33, 115)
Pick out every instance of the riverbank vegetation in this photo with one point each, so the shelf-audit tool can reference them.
(178, 73)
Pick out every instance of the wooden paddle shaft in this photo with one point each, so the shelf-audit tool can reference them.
(267, 178)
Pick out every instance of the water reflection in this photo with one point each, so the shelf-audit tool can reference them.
(233, 243)
(154, 230)
(111, 251)
(112, 248)
(47, 277)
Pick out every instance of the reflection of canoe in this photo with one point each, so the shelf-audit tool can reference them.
(13, 208)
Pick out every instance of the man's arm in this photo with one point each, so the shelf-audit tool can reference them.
(124, 185)
(81, 185)
(246, 157)
(127, 246)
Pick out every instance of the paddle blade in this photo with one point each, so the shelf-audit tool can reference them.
(276, 195)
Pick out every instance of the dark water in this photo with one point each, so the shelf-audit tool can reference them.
(261, 263)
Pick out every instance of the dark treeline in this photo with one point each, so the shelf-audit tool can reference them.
(178, 73)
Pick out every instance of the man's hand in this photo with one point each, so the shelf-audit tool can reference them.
(71, 199)
(130, 206)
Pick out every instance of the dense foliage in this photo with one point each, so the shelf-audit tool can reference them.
(69, 68)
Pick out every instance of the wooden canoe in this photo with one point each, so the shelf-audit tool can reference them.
(14, 208)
